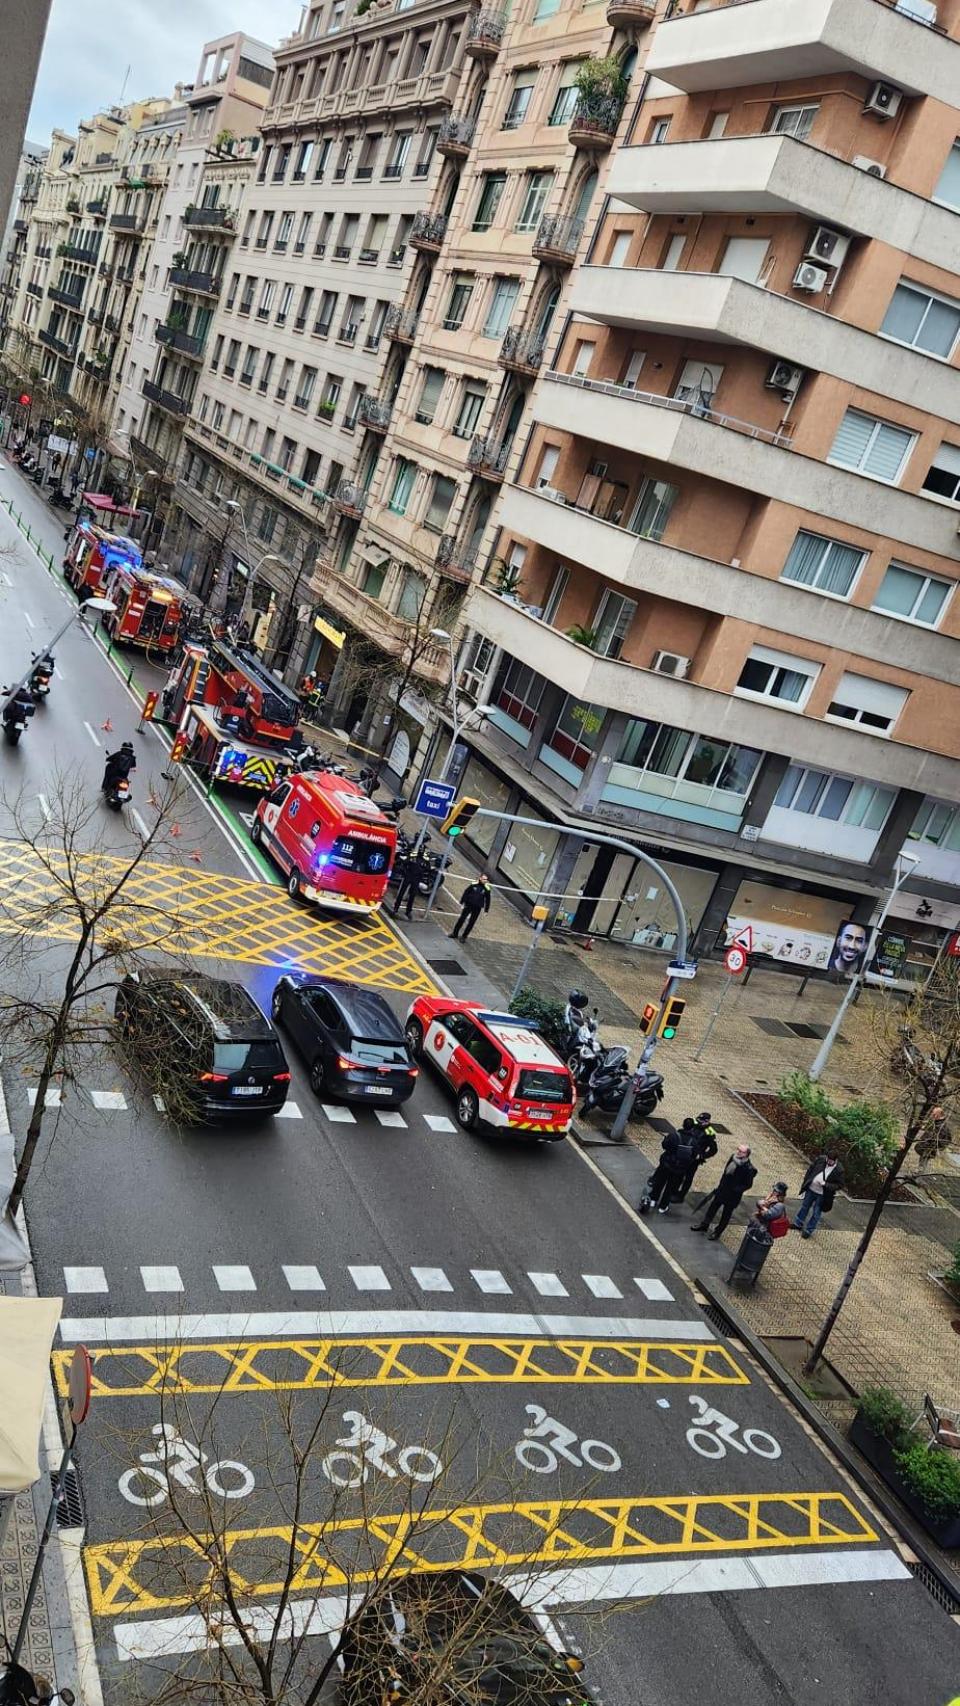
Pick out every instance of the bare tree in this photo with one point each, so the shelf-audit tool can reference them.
(386, 677)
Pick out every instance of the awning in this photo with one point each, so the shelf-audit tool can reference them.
(27, 1327)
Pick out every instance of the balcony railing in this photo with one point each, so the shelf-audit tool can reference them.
(74, 252)
(427, 231)
(454, 559)
(168, 400)
(129, 222)
(698, 407)
(485, 34)
(630, 14)
(350, 499)
(489, 456)
(212, 218)
(148, 454)
(195, 278)
(400, 324)
(558, 238)
(94, 369)
(34, 289)
(386, 628)
(176, 338)
(97, 207)
(522, 351)
(59, 344)
(455, 136)
(68, 298)
(594, 122)
(374, 413)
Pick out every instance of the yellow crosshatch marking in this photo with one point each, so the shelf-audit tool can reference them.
(295, 1365)
(143, 1575)
(191, 911)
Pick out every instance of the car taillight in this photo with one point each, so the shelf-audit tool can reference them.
(213, 1077)
(345, 1063)
(281, 1078)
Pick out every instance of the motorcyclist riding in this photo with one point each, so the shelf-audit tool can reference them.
(119, 765)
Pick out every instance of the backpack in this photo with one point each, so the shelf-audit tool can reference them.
(683, 1156)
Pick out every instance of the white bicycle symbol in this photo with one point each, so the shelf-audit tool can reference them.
(546, 1440)
(702, 1437)
(350, 1468)
(179, 1462)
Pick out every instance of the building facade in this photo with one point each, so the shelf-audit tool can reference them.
(13, 244)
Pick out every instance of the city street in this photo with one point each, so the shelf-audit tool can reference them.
(440, 1283)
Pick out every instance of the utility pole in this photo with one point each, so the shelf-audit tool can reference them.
(904, 865)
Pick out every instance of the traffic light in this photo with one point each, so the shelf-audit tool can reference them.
(670, 1023)
(647, 1017)
(460, 814)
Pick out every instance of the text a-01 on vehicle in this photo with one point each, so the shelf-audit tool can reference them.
(331, 841)
(503, 1072)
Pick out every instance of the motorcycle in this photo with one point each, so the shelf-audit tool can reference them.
(39, 683)
(647, 1092)
(607, 1081)
(61, 499)
(584, 1053)
(15, 714)
(117, 794)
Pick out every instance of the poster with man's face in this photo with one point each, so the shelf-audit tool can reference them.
(849, 947)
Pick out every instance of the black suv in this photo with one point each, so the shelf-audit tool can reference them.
(203, 1044)
(464, 1633)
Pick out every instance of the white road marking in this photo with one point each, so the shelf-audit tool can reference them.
(161, 1279)
(234, 1278)
(29, 619)
(345, 1116)
(431, 1279)
(95, 738)
(369, 1279)
(129, 1329)
(138, 820)
(164, 1636)
(58, 672)
(602, 1285)
(44, 807)
(51, 1099)
(389, 1116)
(548, 1285)
(108, 1099)
(6, 579)
(289, 1111)
(159, 1104)
(303, 1278)
(491, 1280)
(85, 1280)
(439, 1122)
(654, 1291)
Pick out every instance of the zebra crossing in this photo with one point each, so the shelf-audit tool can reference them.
(336, 1113)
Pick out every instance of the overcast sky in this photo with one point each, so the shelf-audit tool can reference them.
(90, 46)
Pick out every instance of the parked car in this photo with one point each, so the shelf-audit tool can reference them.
(504, 1073)
(202, 1043)
(470, 1633)
(351, 1039)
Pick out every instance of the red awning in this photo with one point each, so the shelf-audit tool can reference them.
(101, 501)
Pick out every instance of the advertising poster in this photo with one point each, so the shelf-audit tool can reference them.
(801, 929)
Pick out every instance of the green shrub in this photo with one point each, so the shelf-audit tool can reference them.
(544, 1012)
(933, 1476)
(952, 1275)
(886, 1414)
(809, 1098)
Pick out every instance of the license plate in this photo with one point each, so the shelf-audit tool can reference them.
(246, 1090)
(379, 1089)
(542, 1114)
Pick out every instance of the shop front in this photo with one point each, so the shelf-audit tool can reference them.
(917, 931)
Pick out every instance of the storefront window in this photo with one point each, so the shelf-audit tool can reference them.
(576, 734)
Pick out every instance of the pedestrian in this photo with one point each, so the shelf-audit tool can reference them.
(662, 1172)
(675, 1163)
(415, 871)
(737, 1177)
(821, 1182)
(475, 899)
(704, 1140)
(771, 1211)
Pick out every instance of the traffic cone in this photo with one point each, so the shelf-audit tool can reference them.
(107, 727)
(175, 831)
(196, 856)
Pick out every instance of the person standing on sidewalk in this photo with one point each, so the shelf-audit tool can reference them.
(735, 1180)
(821, 1182)
(476, 899)
(415, 871)
(704, 1140)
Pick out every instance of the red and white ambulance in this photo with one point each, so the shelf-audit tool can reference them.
(505, 1075)
(332, 843)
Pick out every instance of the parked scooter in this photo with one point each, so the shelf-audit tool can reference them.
(647, 1092)
(607, 1082)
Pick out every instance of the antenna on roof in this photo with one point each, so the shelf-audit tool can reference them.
(123, 86)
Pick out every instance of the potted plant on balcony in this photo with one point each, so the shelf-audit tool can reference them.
(327, 409)
(179, 259)
(925, 1477)
(601, 91)
(506, 579)
(582, 636)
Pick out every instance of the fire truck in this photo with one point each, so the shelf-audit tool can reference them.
(91, 550)
(149, 607)
(239, 719)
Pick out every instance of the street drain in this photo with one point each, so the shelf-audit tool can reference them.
(938, 1589)
(70, 1513)
(448, 968)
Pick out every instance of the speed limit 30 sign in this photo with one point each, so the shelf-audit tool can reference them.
(735, 960)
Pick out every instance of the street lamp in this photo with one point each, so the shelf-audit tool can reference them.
(104, 605)
(904, 866)
(268, 556)
(447, 639)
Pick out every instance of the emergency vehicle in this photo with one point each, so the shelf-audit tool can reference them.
(149, 607)
(91, 550)
(330, 840)
(239, 718)
(503, 1072)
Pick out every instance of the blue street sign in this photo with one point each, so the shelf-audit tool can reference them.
(434, 798)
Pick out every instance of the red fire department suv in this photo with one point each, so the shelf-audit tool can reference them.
(503, 1072)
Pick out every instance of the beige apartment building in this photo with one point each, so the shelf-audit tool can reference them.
(735, 626)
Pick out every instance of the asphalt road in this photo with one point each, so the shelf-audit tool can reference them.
(439, 1284)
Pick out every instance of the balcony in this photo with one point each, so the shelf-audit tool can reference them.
(98, 207)
(149, 456)
(778, 174)
(34, 289)
(350, 499)
(106, 269)
(178, 339)
(455, 137)
(488, 457)
(194, 278)
(427, 232)
(630, 15)
(392, 633)
(454, 560)
(739, 453)
(732, 311)
(72, 299)
(218, 221)
(485, 34)
(768, 41)
(59, 344)
(112, 324)
(373, 413)
(522, 351)
(400, 324)
(73, 252)
(167, 400)
(130, 223)
(94, 369)
(594, 123)
(558, 239)
(20, 227)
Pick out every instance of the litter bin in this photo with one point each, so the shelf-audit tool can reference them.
(754, 1249)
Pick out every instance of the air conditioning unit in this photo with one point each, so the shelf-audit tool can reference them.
(827, 246)
(873, 168)
(883, 100)
(547, 491)
(810, 279)
(670, 663)
(470, 682)
(785, 378)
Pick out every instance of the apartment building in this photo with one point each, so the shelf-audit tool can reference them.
(525, 151)
(298, 343)
(13, 243)
(724, 613)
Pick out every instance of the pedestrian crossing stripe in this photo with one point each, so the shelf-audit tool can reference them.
(297, 1365)
(132, 1575)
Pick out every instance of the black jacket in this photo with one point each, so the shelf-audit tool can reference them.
(833, 1184)
(731, 1186)
(119, 765)
(476, 897)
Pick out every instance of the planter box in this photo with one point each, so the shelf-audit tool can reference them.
(879, 1454)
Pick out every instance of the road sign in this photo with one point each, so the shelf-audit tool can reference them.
(433, 798)
(682, 968)
(743, 939)
(80, 1385)
(735, 959)
(149, 706)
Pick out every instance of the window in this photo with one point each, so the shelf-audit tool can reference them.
(267, 295)
(493, 185)
(673, 762)
(612, 622)
(474, 396)
(777, 676)
(249, 365)
(555, 591)
(744, 257)
(302, 162)
(576, 733)
(502, 298)
(633, 369)
(305, 389)
(266, 226)
(924, 321)
(521, 91)
(794, 121)
(283, 309)
(912, 595)
(938, 824)
(547, 468)
(284, 231)
(537, 187)
(567, 95)
(401, 148)
(545, 9)
(404, 475)
(331, 395)
(266, 371)
(825, 564)
(520, 694)
(442, 494)
(873, 705)
(374, 576)
(948, 183)
(413, 591)
(353, 405)
(286, 376)
(582, 356)
(325, 312)
(872, 447)
(323, 155)
(288, 451)
(659, 131)
(303, 232)
(672, 254)
(233, 353)
(336, 16)
(433, 378)
(460, 294)
(698, 383)
(311, 467)
(943, 478)
(651, 512)
(304, 306)
(619, 249)
(817, 793)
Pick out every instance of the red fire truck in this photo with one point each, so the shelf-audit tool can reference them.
(332, 843)
(90, 550)
(239, 718)
(149, 607)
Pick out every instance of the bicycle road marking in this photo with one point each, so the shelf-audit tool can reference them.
(309, 1364)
